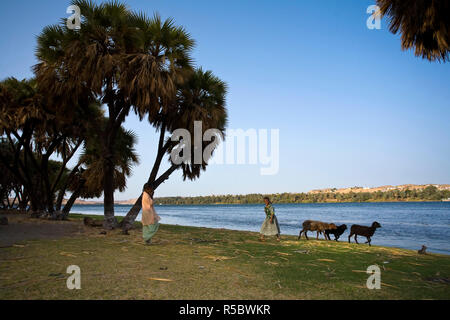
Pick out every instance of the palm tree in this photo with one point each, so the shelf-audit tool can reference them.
(423, 24)
(123, 59)
(37, 128)
(200, 98)
(22, 122)
(87, 180)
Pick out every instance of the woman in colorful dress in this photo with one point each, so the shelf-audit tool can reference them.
(150, 219)
(270, 226)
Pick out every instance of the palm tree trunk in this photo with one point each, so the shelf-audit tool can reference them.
(112, 126)
(59, 200)
(37, 207)
(129, 219)
(23, 200)
(108, 201)
(62, 192)
(71, 201)
(131, 216)
(110, 221)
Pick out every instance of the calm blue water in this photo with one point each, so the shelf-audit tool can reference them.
(404, 225)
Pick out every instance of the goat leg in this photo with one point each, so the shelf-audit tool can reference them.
(356, 238)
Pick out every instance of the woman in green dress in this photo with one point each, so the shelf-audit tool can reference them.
(270, 226)
(150, 219)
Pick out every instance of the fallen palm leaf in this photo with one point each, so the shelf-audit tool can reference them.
(326, 260)
(284, 253)
(218, 258)
(67, 254)
(161, 279)
(388, 285)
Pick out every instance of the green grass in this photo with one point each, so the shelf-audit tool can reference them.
(207, 263)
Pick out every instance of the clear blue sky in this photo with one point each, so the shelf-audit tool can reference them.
(352, 108)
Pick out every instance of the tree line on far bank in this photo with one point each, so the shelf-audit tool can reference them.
(430, 193)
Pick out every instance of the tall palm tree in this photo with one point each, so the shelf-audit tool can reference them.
(200, 98)
(87, 63)
(123, 59)
(423, 24)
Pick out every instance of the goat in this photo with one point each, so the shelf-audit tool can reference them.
(364, 231)
(336, 232)
(319, 226)
(423, 250)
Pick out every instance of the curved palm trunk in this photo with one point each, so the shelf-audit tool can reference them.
(131, 216)
(65, 211)
(128, 221)
(59, 200)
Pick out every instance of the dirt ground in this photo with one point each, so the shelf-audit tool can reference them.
(21, 228)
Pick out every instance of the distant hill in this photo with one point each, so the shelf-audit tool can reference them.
(402, 187)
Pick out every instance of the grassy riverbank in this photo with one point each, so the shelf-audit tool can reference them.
(202, 263)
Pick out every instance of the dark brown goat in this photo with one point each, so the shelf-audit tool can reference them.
(319, 226)
(336, 232)
(364, 231)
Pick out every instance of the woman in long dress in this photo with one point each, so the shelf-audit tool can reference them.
(270, 226)
(150, 219)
